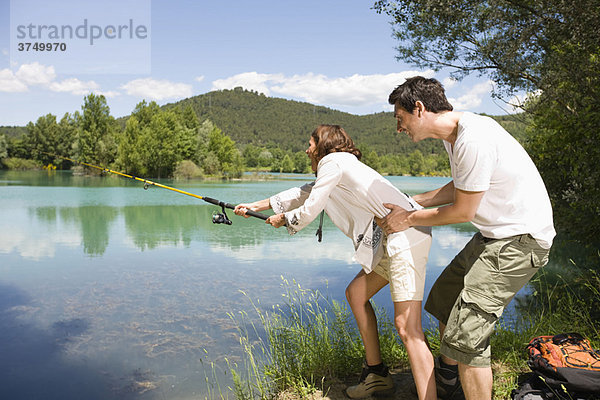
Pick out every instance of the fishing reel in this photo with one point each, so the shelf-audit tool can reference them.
(221, 218)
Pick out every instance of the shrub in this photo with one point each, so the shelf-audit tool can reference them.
(20, 164)
(187, 169)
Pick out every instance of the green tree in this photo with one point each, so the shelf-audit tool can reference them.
(229, 157)
(161, 144)
(301, 163)
(371, 158)
(67, 134)
(551, 48)
(133, 151)
(265, 158)
(251, 154)
(204, 131)
(211, 164)
(417, 164)
(96, 142)
(287, 165)
(43, 138)
(188, 133)
(3, 147)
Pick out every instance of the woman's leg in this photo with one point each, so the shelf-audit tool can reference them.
(359, 291)
(407, 319)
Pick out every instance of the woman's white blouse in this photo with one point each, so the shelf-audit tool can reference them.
(351, 193)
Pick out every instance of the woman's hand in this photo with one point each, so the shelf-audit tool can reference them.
(277, 220)
(242, 208)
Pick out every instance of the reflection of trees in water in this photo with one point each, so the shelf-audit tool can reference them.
(95, 225)
(47, 214)
(152, 226)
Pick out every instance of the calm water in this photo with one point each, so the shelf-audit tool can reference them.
(105, 287)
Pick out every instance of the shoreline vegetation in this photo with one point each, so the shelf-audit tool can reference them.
(309, 347)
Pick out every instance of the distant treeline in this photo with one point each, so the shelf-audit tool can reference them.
(222, 134)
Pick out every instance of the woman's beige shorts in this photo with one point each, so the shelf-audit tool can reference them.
(405, 271)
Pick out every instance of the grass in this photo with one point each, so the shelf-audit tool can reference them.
(303, 345)
(310, 342)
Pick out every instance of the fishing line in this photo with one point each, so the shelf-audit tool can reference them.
(217, 218)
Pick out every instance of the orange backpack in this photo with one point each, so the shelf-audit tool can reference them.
(566, 359)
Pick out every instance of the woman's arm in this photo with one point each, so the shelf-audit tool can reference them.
(260, 205)
(329, 174)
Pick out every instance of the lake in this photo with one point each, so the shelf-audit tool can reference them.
(110, 291)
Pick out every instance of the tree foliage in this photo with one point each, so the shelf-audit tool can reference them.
(96, 141)
(3, 147)
(548, 48)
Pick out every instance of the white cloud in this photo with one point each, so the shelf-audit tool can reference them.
(36, 244)
(108, 93)
(10, 83)
(449, 83)
(199, 78)
(339, 248)
(74, 86)
(473, 97)
(36, 74)
(157, 89)
(5, 52)
(351, 92)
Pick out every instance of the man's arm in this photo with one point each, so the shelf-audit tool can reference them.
(462, 209)
(437, 197)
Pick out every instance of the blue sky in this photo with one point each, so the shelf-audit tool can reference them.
(336, 53)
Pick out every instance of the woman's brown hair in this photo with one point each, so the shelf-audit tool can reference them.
(333, 139)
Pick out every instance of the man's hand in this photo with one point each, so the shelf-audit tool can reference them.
(277, 220)
(396, 220)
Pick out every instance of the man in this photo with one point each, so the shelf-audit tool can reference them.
(496, 186)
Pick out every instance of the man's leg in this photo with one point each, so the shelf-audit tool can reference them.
(476, 381)
(407, 318)
(439, 303)
(502, 267)
(358, 293)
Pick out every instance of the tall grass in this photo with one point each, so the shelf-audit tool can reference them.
(303, 345)
(309, 341)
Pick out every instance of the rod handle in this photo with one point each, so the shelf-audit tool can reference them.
(232, 206)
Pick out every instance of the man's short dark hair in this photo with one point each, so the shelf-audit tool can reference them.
(429, 91)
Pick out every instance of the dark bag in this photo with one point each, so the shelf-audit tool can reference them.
(566, 360)
(535, 389)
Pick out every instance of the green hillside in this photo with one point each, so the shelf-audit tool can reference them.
(252, 118)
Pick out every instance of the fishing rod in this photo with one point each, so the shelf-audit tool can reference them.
(217, 218)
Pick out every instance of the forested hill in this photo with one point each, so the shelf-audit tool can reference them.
(250, 117)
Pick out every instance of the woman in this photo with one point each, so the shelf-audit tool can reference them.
(352, 194)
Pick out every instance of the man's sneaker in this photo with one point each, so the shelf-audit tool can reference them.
(447, 381)
(371, 384)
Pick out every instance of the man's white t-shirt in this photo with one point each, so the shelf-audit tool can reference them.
(485, 157)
